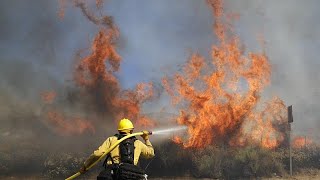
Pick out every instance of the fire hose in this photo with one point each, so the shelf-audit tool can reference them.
(108, 151)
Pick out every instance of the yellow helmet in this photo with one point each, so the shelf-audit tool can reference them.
(125, 124)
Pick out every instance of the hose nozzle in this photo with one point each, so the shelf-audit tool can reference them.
(147, 132)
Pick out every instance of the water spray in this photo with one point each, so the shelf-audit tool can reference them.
(169, 130)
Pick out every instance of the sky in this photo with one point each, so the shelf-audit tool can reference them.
(37, 48)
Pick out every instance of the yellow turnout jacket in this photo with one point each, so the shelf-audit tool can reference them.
(143, 149)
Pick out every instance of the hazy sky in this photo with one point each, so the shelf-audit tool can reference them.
(37, 48)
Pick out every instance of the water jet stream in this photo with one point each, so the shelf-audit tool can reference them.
(169, 130)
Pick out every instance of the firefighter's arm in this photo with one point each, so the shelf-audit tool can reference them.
(147, 150)
(96, 155)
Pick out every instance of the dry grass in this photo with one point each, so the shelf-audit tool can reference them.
(171, 162)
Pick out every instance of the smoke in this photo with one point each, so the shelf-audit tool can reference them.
(37, 54)
(27, 58)
(106, 20)
(290, 30)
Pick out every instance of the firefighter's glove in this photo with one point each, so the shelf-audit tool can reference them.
(83, 170)
(145, 135)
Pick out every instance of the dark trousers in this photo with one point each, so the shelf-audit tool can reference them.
(121, 171)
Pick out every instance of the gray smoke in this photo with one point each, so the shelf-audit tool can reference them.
(291, 31)
(37, 52)
(37, 48)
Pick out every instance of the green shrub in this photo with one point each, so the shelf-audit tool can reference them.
(171, 158)
(61, 165)
(5, 163)
(214, 162)
(301, 158)
(208, 162)
(21, 160)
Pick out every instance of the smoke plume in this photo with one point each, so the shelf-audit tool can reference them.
(46, 48)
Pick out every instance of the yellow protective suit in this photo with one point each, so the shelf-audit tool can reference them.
(144, 149)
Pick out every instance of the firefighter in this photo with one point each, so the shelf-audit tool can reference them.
(124, 157)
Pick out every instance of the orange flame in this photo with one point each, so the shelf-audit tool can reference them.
(177, 139)
(61, 125)
(301, 142)
(269, 124)
(48, 97)
(95, 74)
(69, 127)
(145, 122)
(217, 97)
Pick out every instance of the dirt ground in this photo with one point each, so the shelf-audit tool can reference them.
(300, 177)
(296, 177)
(314, 175)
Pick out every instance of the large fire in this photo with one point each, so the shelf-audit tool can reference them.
(94, 76)
(219, 98)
